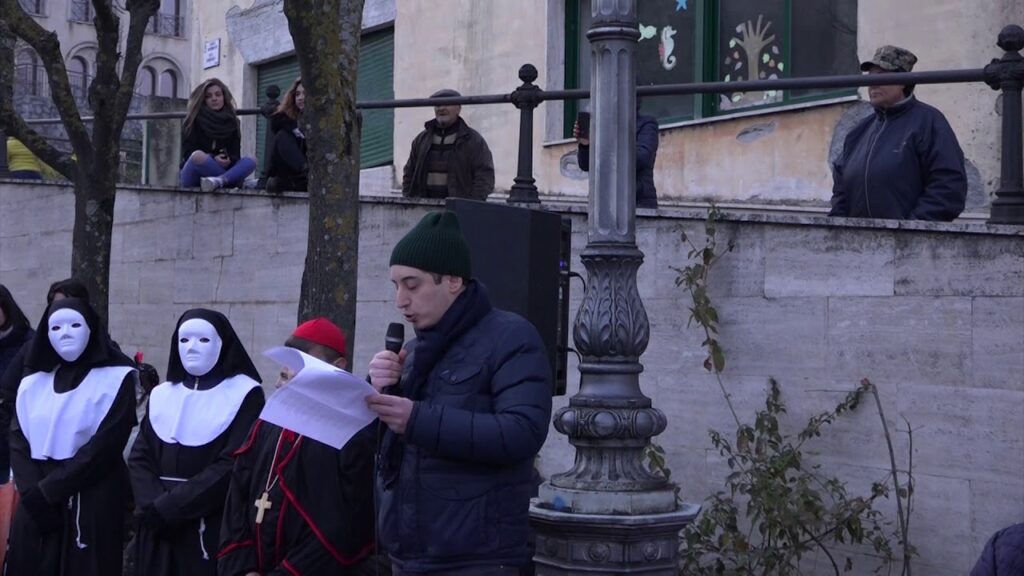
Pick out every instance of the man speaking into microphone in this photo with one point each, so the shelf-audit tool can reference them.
(467, 405)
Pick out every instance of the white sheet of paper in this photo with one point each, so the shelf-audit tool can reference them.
(322, 401)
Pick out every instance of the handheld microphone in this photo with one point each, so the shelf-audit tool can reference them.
(393, 341)
(395, 337)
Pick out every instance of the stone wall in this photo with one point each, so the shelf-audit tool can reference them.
(931, 313)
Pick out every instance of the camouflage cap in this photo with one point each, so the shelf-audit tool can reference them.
(891, 59)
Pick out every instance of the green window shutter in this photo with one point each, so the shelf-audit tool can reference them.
(282, 73)
(376, 82)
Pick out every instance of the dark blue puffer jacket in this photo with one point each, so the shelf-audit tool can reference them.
(1003, 555)
(903, 162)
(646, 155)
(460, 495)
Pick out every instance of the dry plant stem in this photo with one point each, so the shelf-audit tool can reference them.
(707, 332)
(895, 480)
(824, 549)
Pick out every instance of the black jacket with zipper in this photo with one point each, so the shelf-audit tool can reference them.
(903, 162)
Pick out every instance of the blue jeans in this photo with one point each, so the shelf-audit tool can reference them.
(191, 172)
(26, 175)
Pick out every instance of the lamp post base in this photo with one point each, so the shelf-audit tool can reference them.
(571, 544)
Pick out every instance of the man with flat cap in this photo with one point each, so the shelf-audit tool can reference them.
(902, 162)
(448, 158)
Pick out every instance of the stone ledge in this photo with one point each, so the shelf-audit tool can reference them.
(786, 215)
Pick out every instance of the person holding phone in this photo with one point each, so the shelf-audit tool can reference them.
(211, 140)
(646, 154)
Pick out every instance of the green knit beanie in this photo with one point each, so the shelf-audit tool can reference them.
(435, 245)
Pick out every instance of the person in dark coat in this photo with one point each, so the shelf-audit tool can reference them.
(1003, 554)
(14, 371)
(15, 330)
(211, 140)
(318, 513)
(181, 462)
(904, 161)
(646, 155)
(466, 405)
(71, 477)
(287, 168)
(448, 158)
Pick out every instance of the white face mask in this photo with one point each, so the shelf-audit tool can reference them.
(198, 346)
(69, 334)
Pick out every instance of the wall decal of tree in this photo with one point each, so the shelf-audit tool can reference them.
(753, 54)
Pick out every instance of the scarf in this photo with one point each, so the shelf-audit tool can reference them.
(432, 343)
(218, 125)
(430, 347)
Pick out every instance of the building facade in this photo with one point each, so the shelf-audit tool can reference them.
(250, 49)
(162, 77)
(760, 149)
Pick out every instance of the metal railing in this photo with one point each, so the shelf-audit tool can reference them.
(1004, 74)
(167, 25)
(31, 79)
(34, 7)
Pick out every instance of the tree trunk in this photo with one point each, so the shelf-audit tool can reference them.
(93, 232)
(327, 36)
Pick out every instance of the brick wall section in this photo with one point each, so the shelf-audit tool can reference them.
(932, 313)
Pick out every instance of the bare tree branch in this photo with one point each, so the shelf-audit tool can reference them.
(46, 45)
(106, 83)
(141, 11)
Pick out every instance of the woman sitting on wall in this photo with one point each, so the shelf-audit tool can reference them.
(211, 140)
(287, 169)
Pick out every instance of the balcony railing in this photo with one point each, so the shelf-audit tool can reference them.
(31, 79)
(167, 25)
(34, 7)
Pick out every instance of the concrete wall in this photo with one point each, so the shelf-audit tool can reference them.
(492, 41)
(932, 313)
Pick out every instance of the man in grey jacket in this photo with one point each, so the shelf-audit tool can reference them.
(467, 406)
(448, 158)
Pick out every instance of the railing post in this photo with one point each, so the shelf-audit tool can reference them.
(1007, 74)
(525, 98)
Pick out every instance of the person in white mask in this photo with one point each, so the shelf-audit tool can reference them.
(73, 414)
(182, 458)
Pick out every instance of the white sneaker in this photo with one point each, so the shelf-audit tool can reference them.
(210, 183)
(250, 184)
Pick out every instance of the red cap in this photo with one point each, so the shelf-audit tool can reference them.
(324, 332)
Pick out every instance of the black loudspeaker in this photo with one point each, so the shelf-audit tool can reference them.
(523, 256)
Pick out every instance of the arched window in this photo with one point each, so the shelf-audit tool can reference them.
(168, 84)
(78, 77)
(28, 72)
(146, 83)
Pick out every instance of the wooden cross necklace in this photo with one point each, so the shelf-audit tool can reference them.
(263, 503)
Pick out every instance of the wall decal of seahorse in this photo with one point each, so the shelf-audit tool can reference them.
(665, 48)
